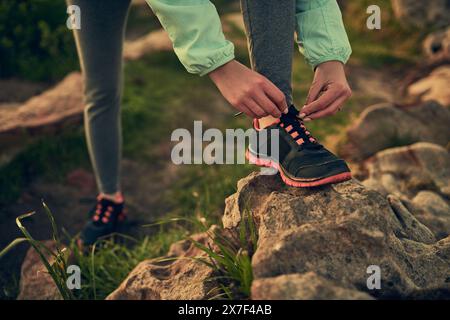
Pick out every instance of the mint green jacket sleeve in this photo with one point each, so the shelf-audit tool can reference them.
(196, 32)
(321, 33)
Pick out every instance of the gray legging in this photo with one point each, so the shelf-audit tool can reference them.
(270, 25)
(99, 44)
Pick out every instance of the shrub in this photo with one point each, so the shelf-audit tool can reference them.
(35, 43)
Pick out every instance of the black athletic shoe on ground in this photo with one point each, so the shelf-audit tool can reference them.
(303, 162)
(104, 220)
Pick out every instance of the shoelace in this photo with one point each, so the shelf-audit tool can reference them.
(297, 129)
(104, 213)
(293, 125)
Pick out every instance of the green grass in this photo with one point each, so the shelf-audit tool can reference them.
(391, 46)
(202, 189)
(104, 266)
(108, 264)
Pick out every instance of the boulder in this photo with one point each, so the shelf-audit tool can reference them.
(176, 276)
(404, 171)
(421, 14)
(420, 176)
(432, 210)
(433, 87)
(386, 125)
(35, 282)
(337, 232)
(436, 45)
(307, 286)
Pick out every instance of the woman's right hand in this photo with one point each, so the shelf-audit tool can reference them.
(248, 91)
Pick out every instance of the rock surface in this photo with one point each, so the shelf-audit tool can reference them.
(434, 86)
(35, 282)
(404, 171)
(436, 45)
(418, 174)
(56, 106)
(383, 126)
(422, 13)
(307, 286)
(153, 42)
(176, 276)
(337, 232)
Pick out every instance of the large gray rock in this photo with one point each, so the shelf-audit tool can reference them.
(422, 13)
(307, 286)
(419, 175)
(176, 276)
(434, 86)
(410, 169)
(384, 126)
(337, 232)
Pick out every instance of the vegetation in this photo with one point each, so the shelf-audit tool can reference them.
(392, 45)
(109, 261)
(35, 43)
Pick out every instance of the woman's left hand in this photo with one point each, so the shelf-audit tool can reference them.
(328, 91)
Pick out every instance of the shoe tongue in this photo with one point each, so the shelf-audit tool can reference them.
(292, 113)
(292, 118)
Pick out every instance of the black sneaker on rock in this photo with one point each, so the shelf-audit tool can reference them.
(302, 160)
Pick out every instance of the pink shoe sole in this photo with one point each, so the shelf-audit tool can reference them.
(294, 183)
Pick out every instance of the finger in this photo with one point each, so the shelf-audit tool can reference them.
(327, 98)
(314, 91)
(254, 108)
(248, 112)
(266, 104)
(275, 95)
(330, 110)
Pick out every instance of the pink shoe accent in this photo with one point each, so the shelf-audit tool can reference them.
(300, 184)
(258, 128)
(118, 198)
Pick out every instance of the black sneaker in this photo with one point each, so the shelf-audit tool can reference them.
(104, 220)
(303, 161)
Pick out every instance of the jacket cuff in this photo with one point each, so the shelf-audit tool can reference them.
(218, 61)
(342, 56)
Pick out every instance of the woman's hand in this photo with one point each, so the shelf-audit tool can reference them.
(328, 91)
(248, 91)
